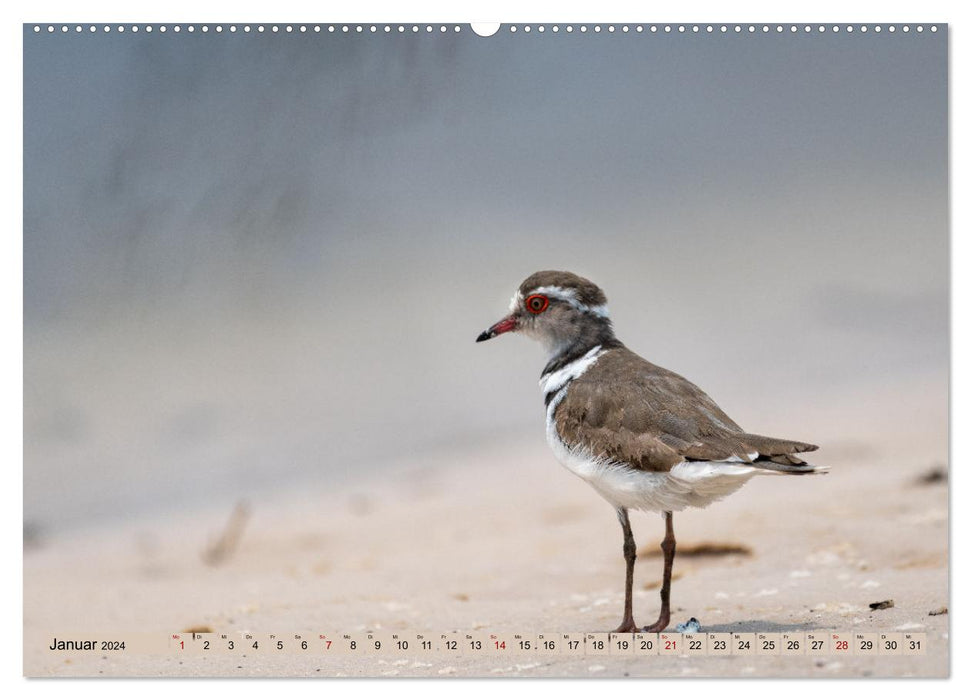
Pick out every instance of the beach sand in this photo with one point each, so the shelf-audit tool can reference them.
(503, 541)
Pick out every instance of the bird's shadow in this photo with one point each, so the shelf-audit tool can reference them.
(760, 626)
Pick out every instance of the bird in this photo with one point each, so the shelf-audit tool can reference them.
(644, 437)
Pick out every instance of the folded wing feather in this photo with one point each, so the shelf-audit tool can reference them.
(630, 411)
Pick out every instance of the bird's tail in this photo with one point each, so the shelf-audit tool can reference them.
(779, 456)
(772, 467)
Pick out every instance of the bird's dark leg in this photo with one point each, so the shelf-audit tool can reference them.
(630, 553)
(667, 546)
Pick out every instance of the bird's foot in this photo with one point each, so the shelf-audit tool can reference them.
(627, 626)
(658, 626)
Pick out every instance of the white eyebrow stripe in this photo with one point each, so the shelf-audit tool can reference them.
(516, 300)
(570, 297)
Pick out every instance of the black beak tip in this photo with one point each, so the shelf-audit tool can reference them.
(484, 335)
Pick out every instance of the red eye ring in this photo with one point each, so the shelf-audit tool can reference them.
(536, 303)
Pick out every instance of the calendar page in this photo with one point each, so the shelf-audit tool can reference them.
(261, 440)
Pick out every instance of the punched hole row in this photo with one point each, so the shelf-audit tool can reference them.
(513, 28)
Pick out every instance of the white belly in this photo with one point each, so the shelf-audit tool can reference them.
(688, 484)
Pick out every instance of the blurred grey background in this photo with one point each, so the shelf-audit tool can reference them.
(256, 261)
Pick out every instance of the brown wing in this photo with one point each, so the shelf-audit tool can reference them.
(631, 411)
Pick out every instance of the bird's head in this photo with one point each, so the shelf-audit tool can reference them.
(560, 309)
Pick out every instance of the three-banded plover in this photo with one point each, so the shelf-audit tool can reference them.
(644, 437)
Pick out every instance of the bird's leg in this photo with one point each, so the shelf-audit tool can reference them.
(630, 553)
(667, 546)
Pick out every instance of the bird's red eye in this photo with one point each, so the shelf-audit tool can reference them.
(537, 303)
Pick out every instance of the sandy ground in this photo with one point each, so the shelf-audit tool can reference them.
(503, 542)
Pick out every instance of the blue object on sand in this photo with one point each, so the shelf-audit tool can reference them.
(690, 626)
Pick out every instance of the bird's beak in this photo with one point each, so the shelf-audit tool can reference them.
(504, 326)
